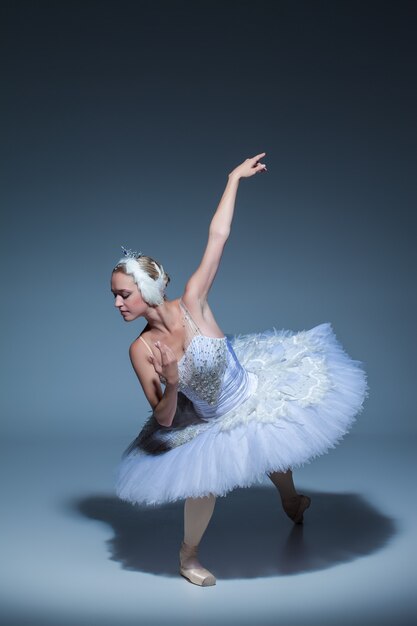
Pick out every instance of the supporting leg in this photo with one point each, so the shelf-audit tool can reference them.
(294, 504)
(197, 514)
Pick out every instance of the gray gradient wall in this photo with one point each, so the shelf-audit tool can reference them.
(121, 121)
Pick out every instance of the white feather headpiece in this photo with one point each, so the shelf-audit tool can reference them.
(152, 290)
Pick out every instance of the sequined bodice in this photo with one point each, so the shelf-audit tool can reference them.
(210, 374)
(202, 367)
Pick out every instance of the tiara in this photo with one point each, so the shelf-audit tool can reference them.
(131, 253)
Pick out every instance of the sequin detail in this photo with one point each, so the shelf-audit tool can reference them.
(202, 369)
(203, 364)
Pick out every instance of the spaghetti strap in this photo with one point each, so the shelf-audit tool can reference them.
(146, 344)
(190, 319)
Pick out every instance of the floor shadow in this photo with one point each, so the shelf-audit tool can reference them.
(248, 536)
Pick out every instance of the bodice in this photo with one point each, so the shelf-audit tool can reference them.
(210, 374)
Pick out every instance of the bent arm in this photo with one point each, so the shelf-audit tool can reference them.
(164, 411)
(164, 405)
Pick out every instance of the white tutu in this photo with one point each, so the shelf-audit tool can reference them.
(303, 392)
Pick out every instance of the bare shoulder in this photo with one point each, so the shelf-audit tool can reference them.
(138, 353)
(142, 343)
(202, 314)
(139, 346)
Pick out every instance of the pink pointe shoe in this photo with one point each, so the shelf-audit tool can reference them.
(294, 507)
(191, 569)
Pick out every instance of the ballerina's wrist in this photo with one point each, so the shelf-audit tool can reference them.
(172, 383)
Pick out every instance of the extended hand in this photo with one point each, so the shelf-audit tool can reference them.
(249, 167)
(167, 366)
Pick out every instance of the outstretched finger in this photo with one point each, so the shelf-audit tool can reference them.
(165, 352)
(160, 347)
(258, 156)
(155, 363)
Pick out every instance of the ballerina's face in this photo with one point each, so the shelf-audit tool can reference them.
(127, 297)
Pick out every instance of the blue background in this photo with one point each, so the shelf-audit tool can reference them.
(120, 122)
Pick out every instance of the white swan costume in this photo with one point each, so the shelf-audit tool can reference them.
(247, 405)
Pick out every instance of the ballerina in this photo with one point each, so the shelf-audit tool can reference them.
(225, 411)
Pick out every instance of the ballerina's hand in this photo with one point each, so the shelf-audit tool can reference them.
(249, 167)
(167, 365)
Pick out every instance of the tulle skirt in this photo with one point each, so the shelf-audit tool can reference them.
(307, 395)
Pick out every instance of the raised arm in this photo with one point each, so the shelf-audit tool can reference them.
(199, 284)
